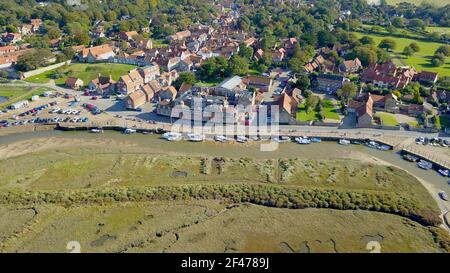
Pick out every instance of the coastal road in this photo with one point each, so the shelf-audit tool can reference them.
(111, 106)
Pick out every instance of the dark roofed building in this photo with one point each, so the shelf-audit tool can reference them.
(426, 77)
(329, 83)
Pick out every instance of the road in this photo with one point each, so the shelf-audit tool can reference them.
(116, 108)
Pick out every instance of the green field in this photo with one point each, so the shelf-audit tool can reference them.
(329, 111)
(387, 119)
(418, 2)
(17, 93)
(127, 197)
(420, 60)
(206, 226)
(440, 30)
(86, 72)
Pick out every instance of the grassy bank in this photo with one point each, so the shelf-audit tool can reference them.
(420, 60)
(206, 226)
(85, 72)
(16, 93)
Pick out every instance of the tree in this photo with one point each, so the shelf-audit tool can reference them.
(347, 91)
(414, 46)
(69, 53)
(33, 60)
(4, 74)
(185, 77)
(303, 82)
(237, 65)
(416, 23)
(417, 98)
(366, 54)
(367, 40)
(398, 22)
(437, 62)
(325, 38)
(311, 103)
(245, 51)
(299, 58)
(444, 49)
(388, 44)
(408, 51)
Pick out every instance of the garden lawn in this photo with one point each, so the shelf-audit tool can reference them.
(440, 30)
(15, 93)
(329, 110)
(85, 72)
(302, 115)
(420, 60)
(387, 119)
(418, 2)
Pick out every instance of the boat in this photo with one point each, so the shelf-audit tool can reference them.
(171, 136)
(384, 147)
(356, 142)
(129, 131)
(281, 139)
(443, 195)
(194, 137)
(316, 139)
(241, 139)
(410, 158)
(221, 138)
(443, 172)
(255, 138)
(96, 130)
(425, 164)
(372, 144)
(302, 140)
(344, 142)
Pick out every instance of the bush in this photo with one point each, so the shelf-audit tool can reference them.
(260, 194)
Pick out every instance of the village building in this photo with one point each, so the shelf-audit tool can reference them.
(426, 77)
(179, 36)
(128, 35)
(7, 49)
(150, 73)
(288, 108)
(262, 84)
(97, 53)
(230, 86)
(329, 83)
(74, 83)
(314, 64)
(388, 75)
(350, 66)
(130, 83)
(102, 85)
(135, 100)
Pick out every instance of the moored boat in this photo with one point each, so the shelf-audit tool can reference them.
(129, 131)
(241, 139)
(443, 195)
(172, 136)
(96, 130)
(344, 142)
(410, 158)
(194, 137)
(443, 172)
(221, 138)
(425, 164)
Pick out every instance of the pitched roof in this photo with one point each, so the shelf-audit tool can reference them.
(97, 50)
